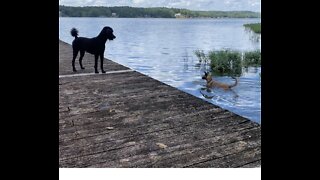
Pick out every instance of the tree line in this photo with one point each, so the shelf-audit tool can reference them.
(157, 12)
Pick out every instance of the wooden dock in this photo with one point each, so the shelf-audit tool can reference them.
(126, 119)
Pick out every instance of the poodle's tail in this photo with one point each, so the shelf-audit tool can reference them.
(233, 85)
(74, 32)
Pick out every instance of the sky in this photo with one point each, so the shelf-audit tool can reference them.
(204, 5)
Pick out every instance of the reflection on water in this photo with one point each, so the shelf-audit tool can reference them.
(209, 93)
(254, 37)
(164, 49)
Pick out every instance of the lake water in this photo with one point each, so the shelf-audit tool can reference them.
(164, 49)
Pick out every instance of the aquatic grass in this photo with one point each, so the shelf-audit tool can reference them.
(228, 62)
(252, 59)
(225, 62)
(255, 27)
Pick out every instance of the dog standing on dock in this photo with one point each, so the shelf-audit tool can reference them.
(95, 46)
(212, 83)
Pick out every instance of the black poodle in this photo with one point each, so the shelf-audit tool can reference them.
(95, 46)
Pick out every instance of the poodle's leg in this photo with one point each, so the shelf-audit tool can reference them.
(75, 53)
(80, 59)
(101, 63)
(96, 63)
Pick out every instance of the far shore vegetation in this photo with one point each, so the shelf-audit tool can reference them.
(255, 27)
(228, 62)
(157, 12)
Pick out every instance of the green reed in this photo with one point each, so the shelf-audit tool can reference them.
(255, 27)
(228, 62)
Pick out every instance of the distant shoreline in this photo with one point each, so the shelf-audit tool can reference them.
(153, 17)
(157, 12)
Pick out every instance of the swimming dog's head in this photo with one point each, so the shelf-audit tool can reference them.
(206, 76)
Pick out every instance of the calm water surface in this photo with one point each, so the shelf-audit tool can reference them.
(164, 49)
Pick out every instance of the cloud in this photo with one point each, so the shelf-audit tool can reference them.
(222, 5)
(138, 1)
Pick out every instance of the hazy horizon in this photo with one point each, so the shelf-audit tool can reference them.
(195, 5)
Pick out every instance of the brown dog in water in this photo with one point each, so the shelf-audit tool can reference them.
(212, 83)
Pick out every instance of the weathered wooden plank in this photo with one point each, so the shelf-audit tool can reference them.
(141, 121)
(115, 104)
(150, 115)
(183, 141)
(233, 160)
(124, 133)
(209, 152)
(96, 101)
(139, 113)
(152, 156)
(80, 98)
(253, 164)
(146, 132)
